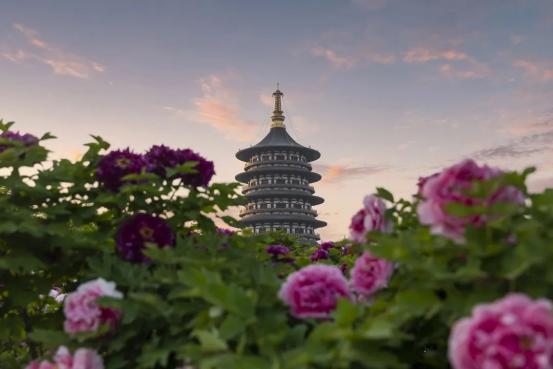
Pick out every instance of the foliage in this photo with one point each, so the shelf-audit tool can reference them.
(211, 300)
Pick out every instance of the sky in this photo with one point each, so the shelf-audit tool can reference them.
(386, 90)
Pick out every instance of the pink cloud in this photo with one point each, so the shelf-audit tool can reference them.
(423, 55)
(333, 58)
(60, 61)
(215, 108)
(379, 58)
(540, 71)
(473, 72)
(336, 173)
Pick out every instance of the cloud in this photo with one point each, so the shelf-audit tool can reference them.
(215, 108)
(540, 71)
(60, 61)
(338, 61)
(379, 58)
(424, 55)
(532, 143)
(337, 173)
(455, 64)
(473, 72)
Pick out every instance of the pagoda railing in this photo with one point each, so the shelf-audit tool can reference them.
(278, 187)
(279, 163)
(281, 211)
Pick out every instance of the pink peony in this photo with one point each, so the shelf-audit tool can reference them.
(40, 365)
(369, 219)
(313, 291)
(451, 186)
(83, 314)
(82, 359)
(514, 332)
(370, 274)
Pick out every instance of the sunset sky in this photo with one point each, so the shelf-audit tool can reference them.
(387, 90)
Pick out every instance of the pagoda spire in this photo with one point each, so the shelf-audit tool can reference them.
(278, 114)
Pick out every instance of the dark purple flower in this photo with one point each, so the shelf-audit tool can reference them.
(160, 157)
(319, 254)
(327, 245)
(204, 168)
(140, 229)
(225, 231)
(116, 165)
(276, 250)
(25, 139)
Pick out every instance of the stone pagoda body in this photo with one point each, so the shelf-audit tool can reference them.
(278, 177)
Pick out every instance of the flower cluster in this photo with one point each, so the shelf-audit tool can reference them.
(138, 231)
(321, 253)
(452, 186)
(26, 139)
(83, 358)
(313, 291)
(369, 219)
(117, 164)
(82, 312)
(279, 253)
(370, 274)
(514, 332)
(161, 157)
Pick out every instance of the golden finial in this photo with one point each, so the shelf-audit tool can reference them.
(278, 116)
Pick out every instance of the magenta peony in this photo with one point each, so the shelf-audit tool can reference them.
(327, 245)
(319, 254)
(140, 229)
(83, 314)
(451, 186)
(370, 274)
(314, 290)
(369, 219)
(514, 332)
(117, 164)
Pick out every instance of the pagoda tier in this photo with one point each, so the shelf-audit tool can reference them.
(278, 175)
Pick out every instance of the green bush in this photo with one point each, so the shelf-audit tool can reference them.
(211, 301)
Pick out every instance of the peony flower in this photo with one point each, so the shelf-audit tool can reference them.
(451, 186)
(57, 294)
(514, 332)
(314, 291)
(83, 314)
(26, 139)
(116, 165)
(319, 254)
(225, 231)
(370, 274)
(83, 358)
(45, 364)
(160, 157)
(204, 168)
(140, 229)
(369, 219)
(276, 250)
(327, 245)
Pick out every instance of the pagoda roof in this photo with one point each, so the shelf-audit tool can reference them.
(277, 139)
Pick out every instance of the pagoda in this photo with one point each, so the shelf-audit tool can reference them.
(277, 177)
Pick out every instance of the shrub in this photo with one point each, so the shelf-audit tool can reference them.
(194, 296)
